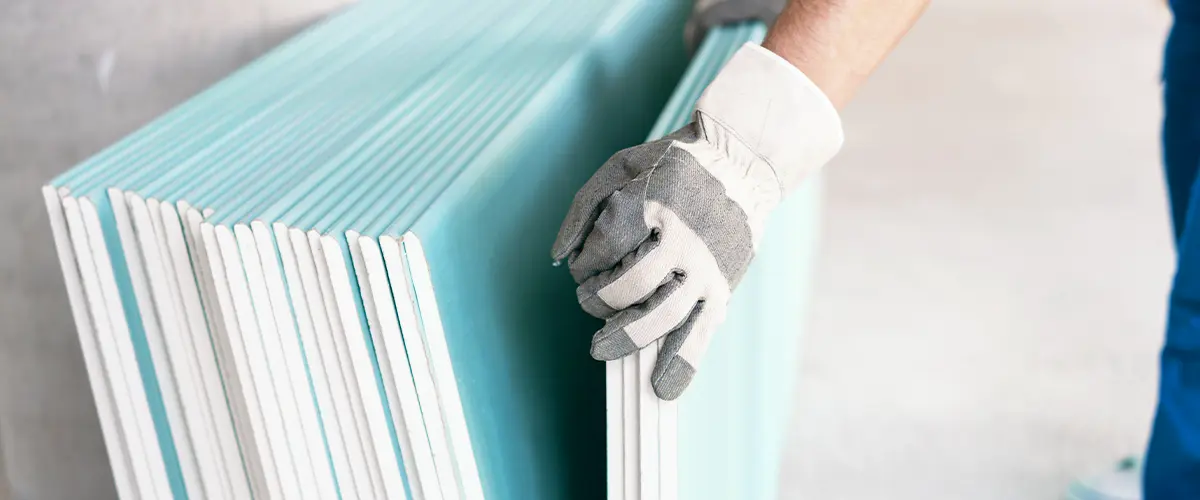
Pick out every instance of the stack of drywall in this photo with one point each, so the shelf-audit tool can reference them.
(253, 275)
(723, 438)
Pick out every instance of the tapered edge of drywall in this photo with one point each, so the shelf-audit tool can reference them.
(157, 312)
(281, 353)
(356, 483)
(668, 450)
(178, 335)
(631, 423)
(280, 315)
(117, 345)
(389, 345)
(614, 429)
(342, 481)
(241, 390)
(373, 401)
(114, 443)
(648, 423)
(442, 367)
(351, 371)
(414, 345)
(180, 247)
(388, 375)
(242, 312)
(119, 363)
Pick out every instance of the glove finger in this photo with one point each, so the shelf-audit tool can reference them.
(632, 282)
(638, 326)
(619, 230)
(599, 299)
(682, 349)
(623, 167)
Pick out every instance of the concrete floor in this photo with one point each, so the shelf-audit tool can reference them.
(993, 280)
(996, 259)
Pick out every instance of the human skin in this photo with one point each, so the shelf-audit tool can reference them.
(838, 43)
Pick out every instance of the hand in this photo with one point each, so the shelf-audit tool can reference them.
(660, 236)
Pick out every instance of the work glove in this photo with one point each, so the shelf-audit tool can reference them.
(659, 237)
(707, 14)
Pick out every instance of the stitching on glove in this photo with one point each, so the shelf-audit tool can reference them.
(653, 168)
(733, 134)
(616, 272)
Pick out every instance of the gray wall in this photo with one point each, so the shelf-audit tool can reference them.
(59, 105)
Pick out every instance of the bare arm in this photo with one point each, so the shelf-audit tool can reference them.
(838, 43)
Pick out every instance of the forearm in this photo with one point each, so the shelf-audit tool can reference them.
(838, 43)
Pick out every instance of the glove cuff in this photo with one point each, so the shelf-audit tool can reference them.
(780, 115)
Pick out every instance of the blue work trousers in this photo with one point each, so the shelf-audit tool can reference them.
(1172, 467)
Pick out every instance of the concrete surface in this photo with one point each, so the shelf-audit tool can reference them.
(996, 259)
(990, 299)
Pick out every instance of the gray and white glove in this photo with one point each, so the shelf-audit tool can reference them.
(659, 237)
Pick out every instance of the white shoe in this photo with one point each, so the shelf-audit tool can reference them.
(1124, 482)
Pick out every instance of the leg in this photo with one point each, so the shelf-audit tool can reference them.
(1172, 468)
(1172, 465)
(1181, 120)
